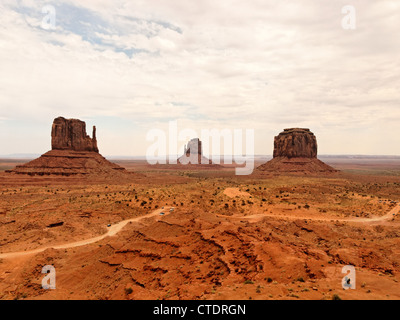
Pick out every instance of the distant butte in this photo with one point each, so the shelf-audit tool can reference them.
(73, 153)
(295, 151)
(193, 153)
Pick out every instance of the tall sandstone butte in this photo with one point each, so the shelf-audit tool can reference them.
(70, 134)
(295, 151)
(193, 153)
(72, 152)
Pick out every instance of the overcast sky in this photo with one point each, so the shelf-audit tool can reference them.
(131, 66)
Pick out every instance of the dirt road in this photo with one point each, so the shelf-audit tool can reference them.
(258, 217)
(112, 231)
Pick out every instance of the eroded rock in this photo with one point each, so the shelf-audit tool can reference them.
(193, 153)
(70, 134)
(73, 153)
(295, 143)
(295, 151)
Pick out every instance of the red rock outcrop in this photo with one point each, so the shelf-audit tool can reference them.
(295, 143)
(295, 151)
(73, 153)
(193, 153)
(70, 134)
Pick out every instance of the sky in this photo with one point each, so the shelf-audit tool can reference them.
(129, 67)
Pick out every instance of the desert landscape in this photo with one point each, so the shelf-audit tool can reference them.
(177, 232)
(171, 152)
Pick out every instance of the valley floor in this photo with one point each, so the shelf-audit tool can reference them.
(187, 234)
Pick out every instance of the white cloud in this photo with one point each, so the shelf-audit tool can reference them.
(262, 65)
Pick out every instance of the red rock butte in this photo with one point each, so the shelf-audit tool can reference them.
(70, 134)
(295, 151)
(193, 153)
(73, 153)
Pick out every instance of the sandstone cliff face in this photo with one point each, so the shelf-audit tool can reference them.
(70, 134)
(295, 143)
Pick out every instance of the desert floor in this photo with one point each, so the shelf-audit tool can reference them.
(221, 236)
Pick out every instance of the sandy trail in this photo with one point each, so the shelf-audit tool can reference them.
(112, 231)
(388, 216)
(258, 217)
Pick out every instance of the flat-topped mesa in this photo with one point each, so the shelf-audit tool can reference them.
(295, 143)
(295, 151)
(70, 134)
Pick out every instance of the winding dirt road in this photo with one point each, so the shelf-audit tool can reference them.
(112, 231)
(257, 217)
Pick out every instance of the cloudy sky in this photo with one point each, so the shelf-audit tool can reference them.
(132, 66)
